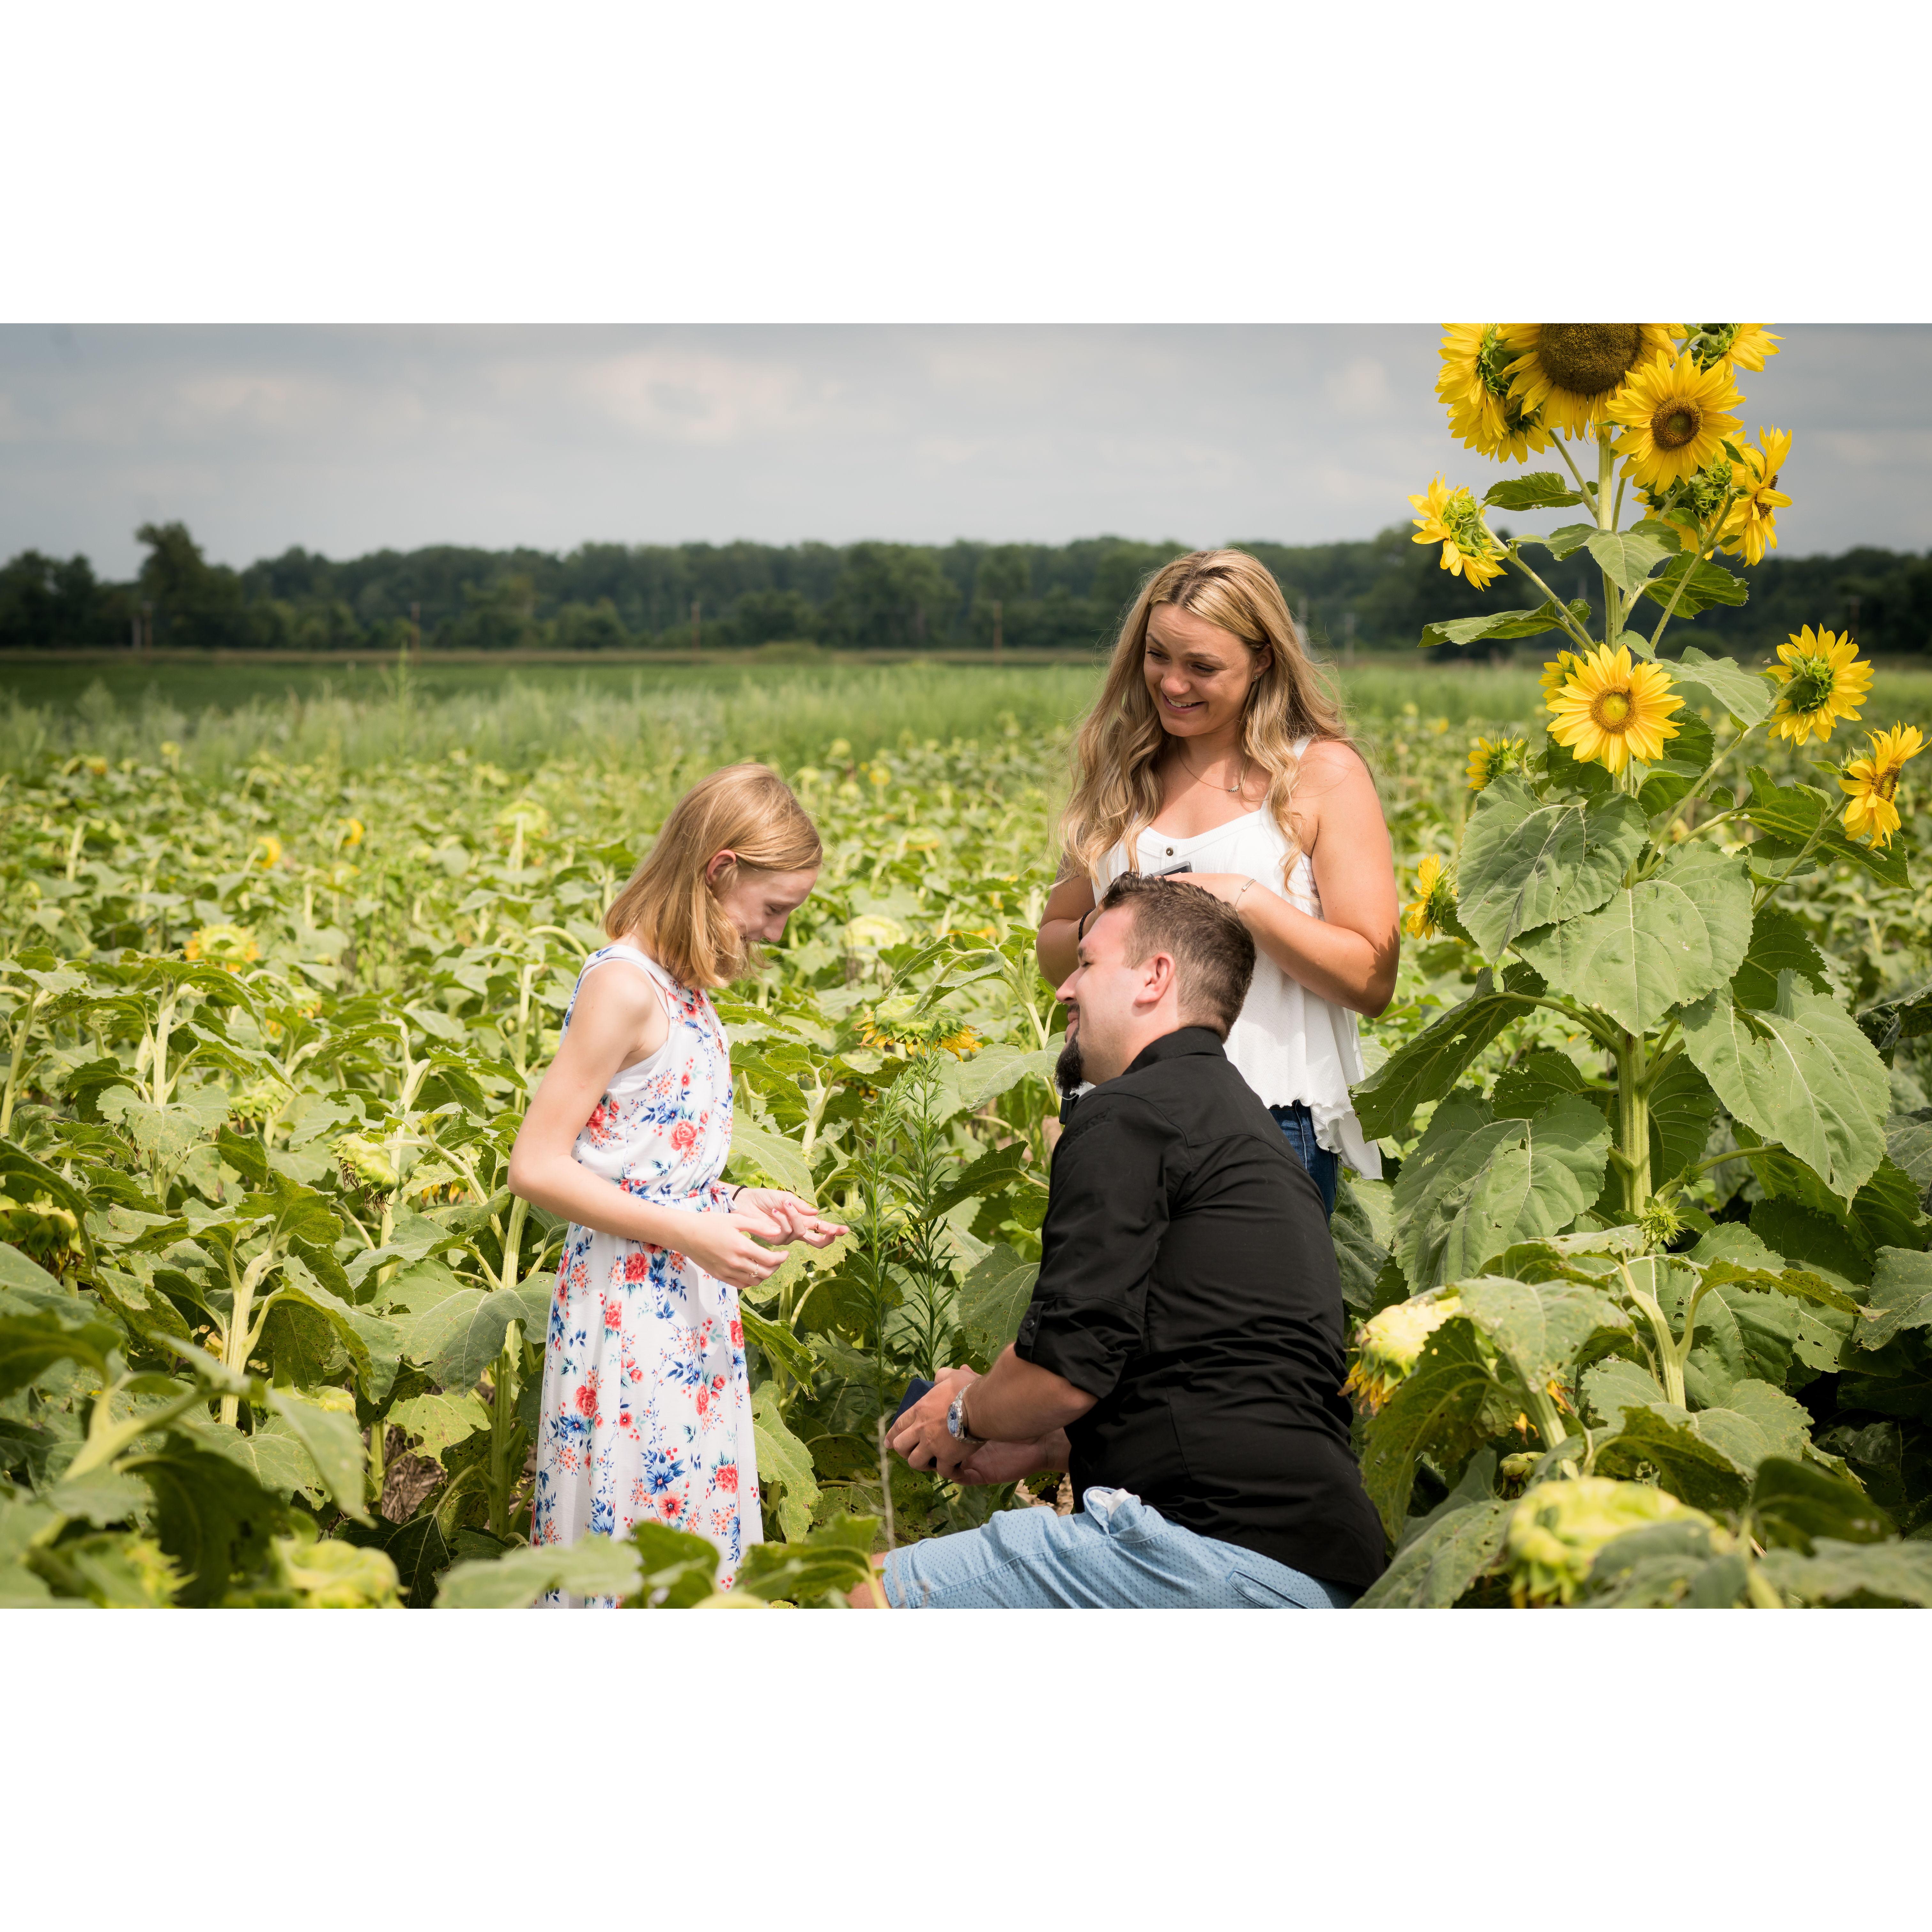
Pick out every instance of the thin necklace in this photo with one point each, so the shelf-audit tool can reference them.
(1240, 780)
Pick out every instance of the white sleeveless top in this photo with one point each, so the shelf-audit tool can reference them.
(1288, 1043)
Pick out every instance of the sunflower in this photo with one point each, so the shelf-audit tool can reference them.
(230, 947)
(1558, 671)
(1740, 345)
(1451, 518)
(1751, 528)
(1389, 1344)
(1475, 386)
(1435, 899)
(1823, 682)
(1567, 372)
(353, 831)
(1490, 757)
(1674, 420)
(1611, 711)
(270, 848)
(1873, 783)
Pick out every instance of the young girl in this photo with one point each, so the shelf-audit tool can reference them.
(1213, 752)
(647, 1412)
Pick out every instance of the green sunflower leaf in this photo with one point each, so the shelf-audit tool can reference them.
(1527, 862)
(1728, 686)
(1712, 584)
(1800, 1073)
(1428, 1066)
(1626, 557)
(1539, 489)
(1677, 935)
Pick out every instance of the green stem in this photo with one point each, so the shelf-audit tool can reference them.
(1697, 791)
(1557, 443)
(1634, 1122)
(1670, 1365)
(107, 1439)
(1577, 633)
(1548, 1418)
(513, 1239)
(1703, 553)
(1613, 614)
(524, 1016)
(1766, 891)
(503, 1431)
(15, 1064)
(1605, 1036)
(164, 1021)
(239, 1339)
(379, 1432)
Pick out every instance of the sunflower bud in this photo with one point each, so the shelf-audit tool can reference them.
(1660, 1225)
(49, 1233)
(230, 947)
(365, 1162)
(326, 1575)
(1558, 1527)
(1390, 1344)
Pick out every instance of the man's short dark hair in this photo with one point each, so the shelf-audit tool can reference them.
(1214, 956)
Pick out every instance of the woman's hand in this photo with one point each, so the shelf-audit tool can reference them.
(1226, 886)
(790, 1219)
(724, 1245)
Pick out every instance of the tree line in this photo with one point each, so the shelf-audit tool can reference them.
(1377, 594)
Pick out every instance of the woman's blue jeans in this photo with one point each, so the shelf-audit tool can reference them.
(1325, 1169)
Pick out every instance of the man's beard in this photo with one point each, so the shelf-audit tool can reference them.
(1068, 1070)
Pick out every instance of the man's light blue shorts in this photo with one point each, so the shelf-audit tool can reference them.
(1115, 1554)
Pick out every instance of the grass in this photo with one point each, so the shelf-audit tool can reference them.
(519, 715)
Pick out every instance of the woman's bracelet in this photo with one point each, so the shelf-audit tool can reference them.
(1080, 931)
(1235, 904)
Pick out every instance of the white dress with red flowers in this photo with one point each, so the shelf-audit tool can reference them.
(646, 1413)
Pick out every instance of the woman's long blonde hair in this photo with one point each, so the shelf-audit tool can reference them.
(746, 810)
(1116, 788)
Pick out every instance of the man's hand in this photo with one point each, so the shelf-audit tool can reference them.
(921, 1436)
(1009, 1462)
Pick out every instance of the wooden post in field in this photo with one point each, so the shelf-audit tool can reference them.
(997, 638)
(696, 632)
(415, 633)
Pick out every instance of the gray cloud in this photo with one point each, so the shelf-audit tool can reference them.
(348, 439)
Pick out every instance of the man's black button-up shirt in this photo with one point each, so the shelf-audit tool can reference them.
(1188, 1279)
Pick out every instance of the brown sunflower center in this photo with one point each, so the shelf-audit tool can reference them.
(1886, 784)
(1675, 423)
(1588, 358)
(1610, 710)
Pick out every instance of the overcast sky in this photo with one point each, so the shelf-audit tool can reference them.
(344, 440)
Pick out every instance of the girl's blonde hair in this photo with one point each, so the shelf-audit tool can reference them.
(746, 810)
(1116, 788)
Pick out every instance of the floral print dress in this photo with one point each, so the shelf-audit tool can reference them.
(647, 1411)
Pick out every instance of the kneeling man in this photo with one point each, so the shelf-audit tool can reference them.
(1183, 1354)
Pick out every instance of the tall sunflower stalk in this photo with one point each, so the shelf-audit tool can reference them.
(1655, 403)
(1554, 1294)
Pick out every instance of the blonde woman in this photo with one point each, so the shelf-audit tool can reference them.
(1214, 753)
(646, 1412)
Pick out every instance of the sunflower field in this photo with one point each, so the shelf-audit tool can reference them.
(1641, 1305)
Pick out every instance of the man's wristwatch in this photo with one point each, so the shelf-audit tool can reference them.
(955, 1419)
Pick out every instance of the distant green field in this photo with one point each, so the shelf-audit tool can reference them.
(522, 713)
